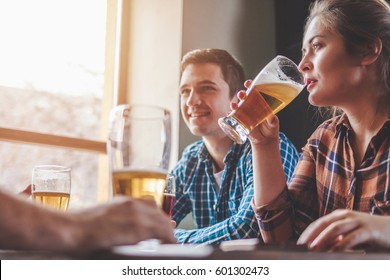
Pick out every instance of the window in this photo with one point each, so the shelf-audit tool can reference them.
(56, 86)
(63, 65)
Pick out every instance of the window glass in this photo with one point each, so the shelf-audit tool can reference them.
(52, 58)
(52, 65)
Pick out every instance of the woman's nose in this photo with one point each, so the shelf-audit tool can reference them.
(304, 65)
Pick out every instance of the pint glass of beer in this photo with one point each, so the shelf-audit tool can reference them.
(138, 147)
(277, 84)
(51, 186)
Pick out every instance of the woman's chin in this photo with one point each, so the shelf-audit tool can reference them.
(315, 101)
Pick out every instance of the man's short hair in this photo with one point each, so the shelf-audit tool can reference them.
(231, 68)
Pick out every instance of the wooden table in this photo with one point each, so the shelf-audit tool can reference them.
(259, 253)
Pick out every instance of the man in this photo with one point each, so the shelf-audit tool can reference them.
(214, 178)
(28, 226)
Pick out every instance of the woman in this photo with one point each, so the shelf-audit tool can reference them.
(343, 176)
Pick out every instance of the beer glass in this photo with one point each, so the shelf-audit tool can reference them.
(277, 84)
(138, 146)
(51, 186)
(169, 195)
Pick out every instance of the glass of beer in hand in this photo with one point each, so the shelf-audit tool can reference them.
(51, 186)
(169, 195)
(138, 147)
(277, 84)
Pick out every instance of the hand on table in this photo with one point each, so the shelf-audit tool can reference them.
(345, 229)
(126, 221)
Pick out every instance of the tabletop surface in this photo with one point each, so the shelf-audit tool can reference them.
(215, 253)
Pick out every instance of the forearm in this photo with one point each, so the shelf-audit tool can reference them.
(24, 225)
(180, 210)
(268, 175)
(275, 220)
(241, 225)
(229, 229)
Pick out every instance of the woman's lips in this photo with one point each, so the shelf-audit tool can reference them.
(310, 83)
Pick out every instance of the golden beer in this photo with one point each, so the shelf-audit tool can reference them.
(267, 99)
(138, 183)
(277, 84)
(57, 200)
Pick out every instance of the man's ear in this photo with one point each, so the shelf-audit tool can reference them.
(373, 51)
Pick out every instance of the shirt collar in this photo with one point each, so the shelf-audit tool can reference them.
(233, 153)
(383, 133)
(203, 153)
(342, 125)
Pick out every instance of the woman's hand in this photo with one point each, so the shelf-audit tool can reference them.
(267, 131)
(345, 229)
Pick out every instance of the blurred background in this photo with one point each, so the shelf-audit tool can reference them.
(64, 64)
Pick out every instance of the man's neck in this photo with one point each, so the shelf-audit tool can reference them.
(218, 148)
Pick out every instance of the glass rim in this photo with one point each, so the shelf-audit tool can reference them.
(278, 58)
(49, 167)
(161, 111)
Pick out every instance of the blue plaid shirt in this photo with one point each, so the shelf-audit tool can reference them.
(225, 215)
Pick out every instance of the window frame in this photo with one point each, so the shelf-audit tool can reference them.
(126, 20)
(111, 97)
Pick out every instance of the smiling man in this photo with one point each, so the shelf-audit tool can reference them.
(214, 178)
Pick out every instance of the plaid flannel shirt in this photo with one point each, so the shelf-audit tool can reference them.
(225, 215)
(328, 178)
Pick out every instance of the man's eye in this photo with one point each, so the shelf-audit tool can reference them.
(207, 88)
(184, 91)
